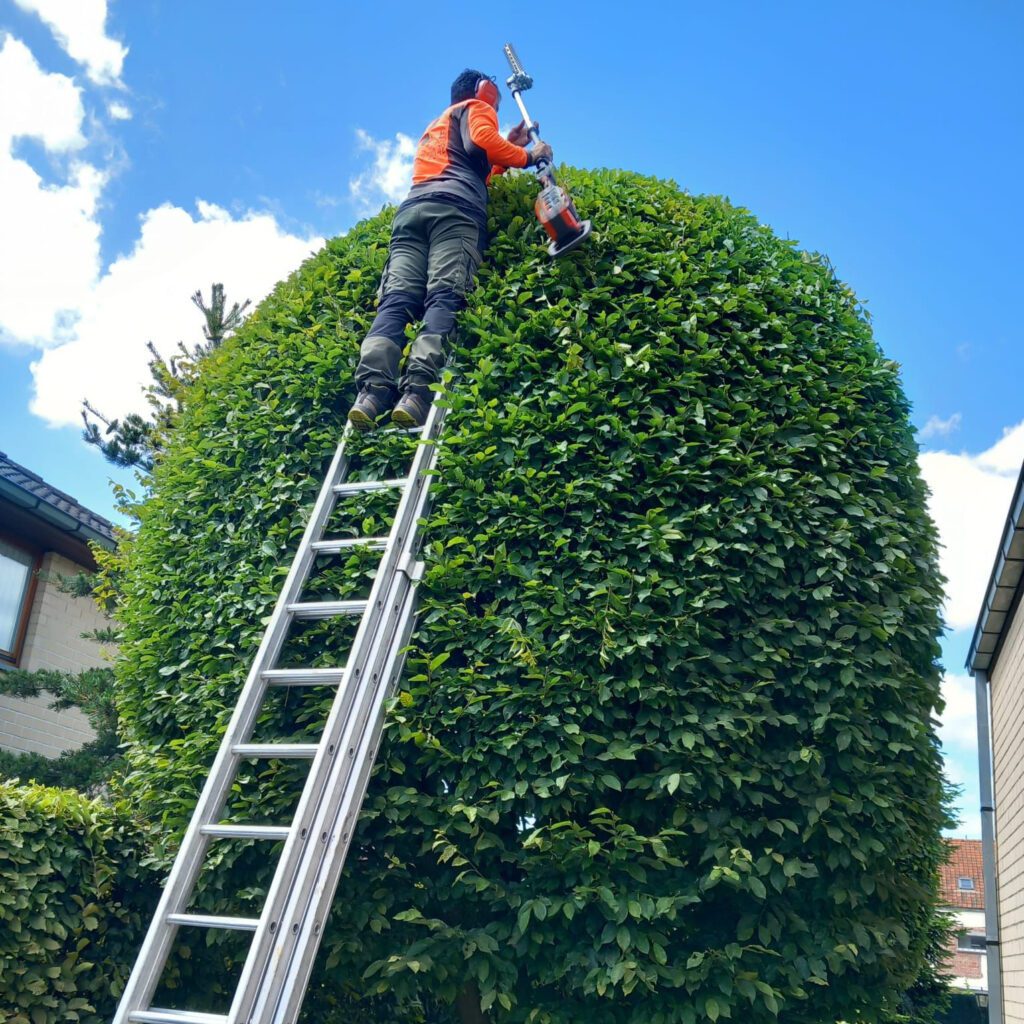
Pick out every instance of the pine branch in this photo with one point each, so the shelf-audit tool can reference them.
(135, 441)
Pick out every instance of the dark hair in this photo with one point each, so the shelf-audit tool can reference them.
(464, 87)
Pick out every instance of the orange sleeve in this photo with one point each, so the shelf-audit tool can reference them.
(483, 131)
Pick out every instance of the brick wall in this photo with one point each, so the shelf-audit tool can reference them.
(966, 968)
(53, 641)
(961, 963)
(1008, 753)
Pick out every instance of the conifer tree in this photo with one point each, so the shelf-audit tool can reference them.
(134, 440)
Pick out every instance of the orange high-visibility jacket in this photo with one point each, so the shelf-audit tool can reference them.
(458, 154)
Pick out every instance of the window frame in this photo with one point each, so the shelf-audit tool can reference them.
(971, 887)
(964, 944)
(12, 658)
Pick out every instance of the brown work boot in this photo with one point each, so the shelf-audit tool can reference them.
(370, 406)
(411, 410)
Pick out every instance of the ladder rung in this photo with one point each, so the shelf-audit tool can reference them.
(158, 1016)
(401, 430)
(333, 547)
(326, 609)
(303, 676)
(246, 831)
(236, 924)
(361, 486)
(275, 749)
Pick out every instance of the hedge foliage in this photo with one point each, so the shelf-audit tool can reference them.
(75, 896)
(663, 752)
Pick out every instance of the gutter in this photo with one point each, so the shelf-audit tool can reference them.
(65, 523)
(1003, 591)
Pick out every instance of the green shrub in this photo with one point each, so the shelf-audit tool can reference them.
(75, 896)
(663, 751)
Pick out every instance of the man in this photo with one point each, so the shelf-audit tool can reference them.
(437, 240)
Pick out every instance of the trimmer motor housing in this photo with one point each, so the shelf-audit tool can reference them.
(558, 217)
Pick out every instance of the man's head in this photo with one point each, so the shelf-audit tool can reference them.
(465, 87)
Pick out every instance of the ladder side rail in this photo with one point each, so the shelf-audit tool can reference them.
(350, 693)
(156, 946)
(344, 769)
(342, 824)
(281, 994)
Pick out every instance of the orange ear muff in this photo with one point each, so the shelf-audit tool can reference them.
(487, 91)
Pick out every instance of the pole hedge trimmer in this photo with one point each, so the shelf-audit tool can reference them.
(554, 208)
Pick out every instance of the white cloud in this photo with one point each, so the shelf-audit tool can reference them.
(969, 503)
(958, 733)
(80, 28)
(1006, 455)
(388, 178)
(144, 296)
(48, 107)
(50, 255)
(938, 427)
(93, 325)
(49, 259)
(959, 719)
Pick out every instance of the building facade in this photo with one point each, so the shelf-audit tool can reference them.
(997, 661)
(44, 534)
(963, 894)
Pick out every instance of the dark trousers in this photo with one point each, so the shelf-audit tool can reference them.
(433, 256)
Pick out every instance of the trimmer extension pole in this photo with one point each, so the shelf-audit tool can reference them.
(554, 207)
(518, 82)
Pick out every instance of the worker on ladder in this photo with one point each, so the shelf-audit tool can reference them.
(437, 241)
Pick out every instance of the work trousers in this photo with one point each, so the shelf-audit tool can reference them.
(433, 256)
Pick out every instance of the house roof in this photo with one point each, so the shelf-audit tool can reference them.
(30, 491)
(1003, 593)
(964, 862)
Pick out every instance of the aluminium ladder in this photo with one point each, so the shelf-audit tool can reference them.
(287, 933)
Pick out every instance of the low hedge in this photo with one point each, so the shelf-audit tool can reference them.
(75, 896)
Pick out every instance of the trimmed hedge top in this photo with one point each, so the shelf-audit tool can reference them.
(663, 751)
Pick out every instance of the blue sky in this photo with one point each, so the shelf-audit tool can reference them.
(149, 147)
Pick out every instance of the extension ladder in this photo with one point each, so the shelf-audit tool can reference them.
(288, 931)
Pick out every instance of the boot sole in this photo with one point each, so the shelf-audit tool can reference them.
(404, 419)
(360, 421)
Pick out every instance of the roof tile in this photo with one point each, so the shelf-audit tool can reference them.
(964, 862)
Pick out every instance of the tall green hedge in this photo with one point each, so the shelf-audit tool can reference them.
(75, 895)
(663, 752)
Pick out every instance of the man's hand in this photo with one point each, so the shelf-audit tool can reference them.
(541, 151)
(520, 135)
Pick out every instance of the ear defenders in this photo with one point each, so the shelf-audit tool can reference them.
(487, 90)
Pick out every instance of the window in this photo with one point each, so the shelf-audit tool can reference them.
(965, 884)
(973, 942)
(17, 578)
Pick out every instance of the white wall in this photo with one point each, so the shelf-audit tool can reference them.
(1008, 752)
